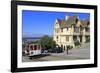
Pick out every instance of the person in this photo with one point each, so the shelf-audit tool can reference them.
(67, 50)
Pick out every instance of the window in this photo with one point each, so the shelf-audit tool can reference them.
(76, 29)
(67, 28)
(61, 29)
(81, 28)
(35, 47)
(31, 47)
(57, 37)
(87, 29)
(88, 23)
(67, 38)
(76, 20)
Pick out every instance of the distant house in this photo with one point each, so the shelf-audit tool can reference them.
(70, 30)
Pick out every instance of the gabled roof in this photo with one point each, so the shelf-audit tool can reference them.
(71, 20)
(68, 23)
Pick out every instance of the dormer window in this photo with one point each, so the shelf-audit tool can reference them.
(76, 20)
(88, 23)
(56, 22)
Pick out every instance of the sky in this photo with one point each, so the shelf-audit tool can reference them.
(36, 23)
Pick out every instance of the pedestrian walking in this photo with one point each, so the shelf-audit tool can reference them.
(67, 50)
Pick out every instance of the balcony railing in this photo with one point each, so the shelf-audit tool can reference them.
(74, 33)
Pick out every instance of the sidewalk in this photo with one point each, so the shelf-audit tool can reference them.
(83, 52)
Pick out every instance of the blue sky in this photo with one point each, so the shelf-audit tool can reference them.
(42, 22)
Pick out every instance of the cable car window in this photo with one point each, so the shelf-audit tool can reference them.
(35, 47)
(31, 47)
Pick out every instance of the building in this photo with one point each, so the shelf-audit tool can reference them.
(71, 30)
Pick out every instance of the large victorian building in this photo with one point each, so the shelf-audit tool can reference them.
(70, 30)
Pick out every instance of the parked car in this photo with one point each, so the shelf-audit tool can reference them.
(44, 51)
(55, 50)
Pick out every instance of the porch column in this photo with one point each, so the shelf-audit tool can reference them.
(83, 39)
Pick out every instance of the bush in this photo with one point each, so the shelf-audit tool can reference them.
(87, 40)
(77, 43)
(68, 46)
(47, 42)
(71, 47)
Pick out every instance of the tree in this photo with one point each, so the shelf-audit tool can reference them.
(47, 42)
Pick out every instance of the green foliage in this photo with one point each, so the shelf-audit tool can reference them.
(47, 42)
(87, 40)
(71, 47)
(77, 43)
(35, 42)
(68, 46)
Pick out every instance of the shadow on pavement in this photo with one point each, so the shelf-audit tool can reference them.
(39, 56)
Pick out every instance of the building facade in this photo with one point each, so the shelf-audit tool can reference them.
(71, 31)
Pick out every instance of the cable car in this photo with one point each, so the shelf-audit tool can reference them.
(34, 49)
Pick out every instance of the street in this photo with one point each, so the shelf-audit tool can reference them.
(74, 54)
